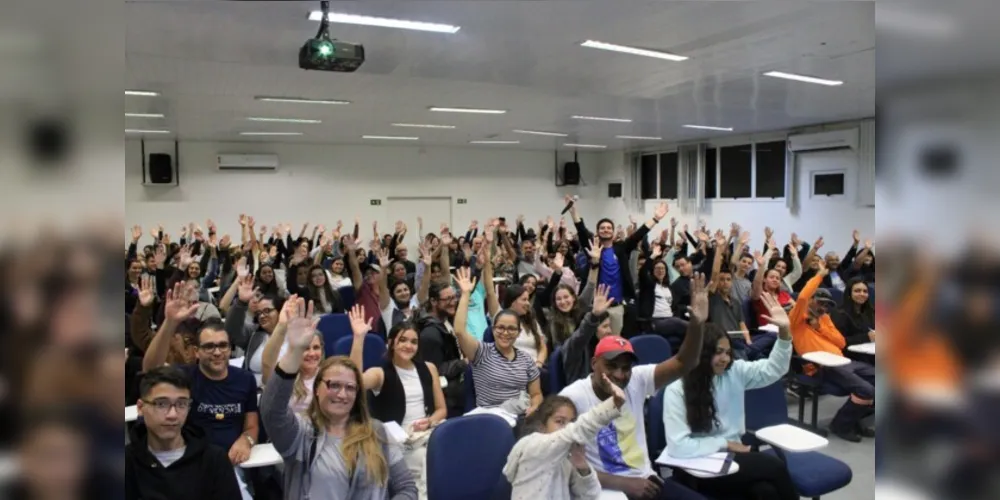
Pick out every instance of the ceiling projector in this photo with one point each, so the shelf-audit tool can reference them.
(323, 53)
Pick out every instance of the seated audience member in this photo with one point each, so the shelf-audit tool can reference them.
(167, 457)
(615, 257)
(276, 346)
(841, 271)
(517, 299)
(704, 413)
(337, 274)
(225, 398)
(439, 345)
(855, 318)
(336, 450)
(768, 282)
(501, 372)
(183, 346)
(326, 299)
(252, 340)
(568, 309)
(579, 348)
(396, 300)
(404, 389)
(680, 289)
(727, 314)
(619, 454)
(814, 331)
(549, 461)
(366, 281)
(656, 299)
(267, 283)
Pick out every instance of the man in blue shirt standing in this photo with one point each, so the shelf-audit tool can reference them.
(615, 258)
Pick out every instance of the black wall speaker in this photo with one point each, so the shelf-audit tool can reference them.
(161, 168)
(615, 190)
(571, 174)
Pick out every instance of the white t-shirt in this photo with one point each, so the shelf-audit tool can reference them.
(620, 448)
(414, 396)
(168, 458)
(662, 304)
(526, 342)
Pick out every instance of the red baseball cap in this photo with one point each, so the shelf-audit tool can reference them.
(611, 347)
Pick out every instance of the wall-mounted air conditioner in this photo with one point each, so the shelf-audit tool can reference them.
(247, 162)
(837, 139)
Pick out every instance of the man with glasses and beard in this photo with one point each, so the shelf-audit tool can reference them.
(439, 346)
(170, 457)
(224, 397)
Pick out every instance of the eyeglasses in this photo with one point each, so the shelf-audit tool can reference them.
(265, 311)
(164, 405)
(337, 387)
(221, 346)
(449, 299)
(506, 329)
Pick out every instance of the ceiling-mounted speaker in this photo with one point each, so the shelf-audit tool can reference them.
(571, 174)
(161, 168)
(615, 190)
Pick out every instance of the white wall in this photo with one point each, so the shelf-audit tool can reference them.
(321, 184)
(834, 219)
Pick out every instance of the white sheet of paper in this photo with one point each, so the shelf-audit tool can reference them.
(236, 362)
(511, 419)
(262, 455)
(711, 464)
(131, 413)
(395, 433)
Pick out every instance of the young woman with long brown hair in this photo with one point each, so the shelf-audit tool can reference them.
(336, 450)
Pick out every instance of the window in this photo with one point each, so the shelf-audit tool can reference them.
(736, 173)
(711, 171)
(668, 176)
(828, 184)
(647, 179)
(771, 170)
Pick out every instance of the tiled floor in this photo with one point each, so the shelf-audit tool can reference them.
(860, 456)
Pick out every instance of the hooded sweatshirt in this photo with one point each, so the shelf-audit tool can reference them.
(202, 473)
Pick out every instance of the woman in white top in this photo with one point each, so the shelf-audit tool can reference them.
(404, 391)
(656, 299)
(395, 299)
(549, 461)
(336, 274)
(311, 358)
(518, 299)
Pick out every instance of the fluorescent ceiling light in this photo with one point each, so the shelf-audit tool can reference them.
(803, 78)
(470, 110)
(537, 132)
(638, 138)
(282, 120)
(300, 100)
(140, 131)
(144, 115)
(422, 125)
(383, 22)
(270, 133)
(592, 146)
(494, 142)
(602, 119)
(633, 50)
(389, 138)
(142, 93)
(706, 127)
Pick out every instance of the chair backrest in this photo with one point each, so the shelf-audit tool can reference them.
(374, 350)
(470, 391)
(651, 349)
(333, 327)
(656, 435)
(347, 297)
(766, 407)
(748, 315)
(488, 335)
(838, 295)
(871, 293)
(557, 379)
(462, 463)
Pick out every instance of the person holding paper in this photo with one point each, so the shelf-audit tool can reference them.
(406, 391)
(549, 461)
(704, 413)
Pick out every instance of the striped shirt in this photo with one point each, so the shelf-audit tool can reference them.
(498, 379)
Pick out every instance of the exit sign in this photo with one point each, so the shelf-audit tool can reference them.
(376, 203)
(462, 201)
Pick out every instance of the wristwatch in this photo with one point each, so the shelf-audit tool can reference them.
(250, 440)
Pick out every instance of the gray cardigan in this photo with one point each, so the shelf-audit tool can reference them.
(577, 350)
(293, 436)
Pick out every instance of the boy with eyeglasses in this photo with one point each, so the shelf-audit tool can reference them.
(169, 458)
(224, 397)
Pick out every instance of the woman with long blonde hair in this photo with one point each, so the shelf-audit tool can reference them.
(335, 450)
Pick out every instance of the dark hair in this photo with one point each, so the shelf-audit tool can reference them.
(774, 263)
(528, 321)
(59, 416)
(170, 375)
(395, 332)
(267, 289)
(609, 221)
(332, 296)
(211, 324)
(866, 312)
(536, 422)
(699, 390)
(562, 325)
(434, 293)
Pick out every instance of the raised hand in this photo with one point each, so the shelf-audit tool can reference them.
(768, 233)
(224, 242)
(601, 300)
(176, 307)
(489, 236)
(745, 238)
(359, 324)
(302, 327)
(245, 290)
(557, 262)
(776, 314)
(136, 233)
(821, 268)
(657, 251)
(616, 392)
(210, 224)
(463, 277)
(673, 222)
(699, 299)
(242, 269)
(289, 311)
(857, 237)
(819, 244)
(243, 220)
(520, 219)
(147, 292)
(869, 244)
(184, 257)
(796, 241)
(160, 256)
(661, 211)
(595, 250)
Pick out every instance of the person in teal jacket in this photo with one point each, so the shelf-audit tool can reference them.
(703, 413)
